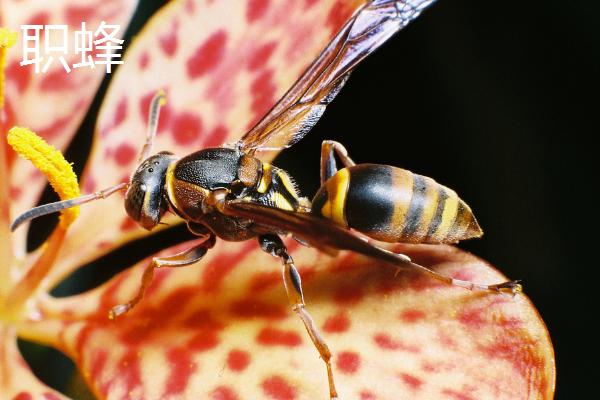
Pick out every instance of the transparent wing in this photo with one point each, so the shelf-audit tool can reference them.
(304, 103)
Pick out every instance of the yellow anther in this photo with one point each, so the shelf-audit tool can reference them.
(52, 164)
(7, 39)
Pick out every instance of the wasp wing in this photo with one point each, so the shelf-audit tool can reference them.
(304, 103)
(317, 232)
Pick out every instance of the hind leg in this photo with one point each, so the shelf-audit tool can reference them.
(329, 149)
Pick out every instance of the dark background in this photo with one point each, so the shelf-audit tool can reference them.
(493, 99)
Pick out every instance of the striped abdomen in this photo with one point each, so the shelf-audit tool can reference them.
(395, 205)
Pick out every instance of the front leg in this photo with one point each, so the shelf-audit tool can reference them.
(273, 245)
(187, 257)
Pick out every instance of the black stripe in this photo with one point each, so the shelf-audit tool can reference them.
(439, 212)
(417, 202)
(370, 204)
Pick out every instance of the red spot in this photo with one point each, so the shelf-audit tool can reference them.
(264, 280)
(208, 55)
(57, 80)
(144, 60)
(98, 363)
(165, 112)
(473, 318)
(412, 381)
(348, 362)
(217, 270)
(519, 350)
(223, 393)
(260, 57)
(23, 396)
(15, 192)
(411, 316)
(367, 395)
(338, 15)
(124, 154)
(174, 303)
(446, 340)
(168, 42)
(337, 323)
(256, 309)
(278, 337)
(50, 396)
(82, 337)
(18, 75)
(186, 128)
(238, 360)
(464, 275)
(202, 319)
(127, 224)
(120, 112)
(348, 295)
(263, 92)
(277, 388)
(41, 18)
(385, 342)
(57, 126)
(104, 245)
(457, 395)
(190, 7)
(130, 371)
(181, 368)
(204, 340)
(256, 9)
(75, 15)
(217, 136)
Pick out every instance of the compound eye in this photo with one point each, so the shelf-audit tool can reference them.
(134, 200)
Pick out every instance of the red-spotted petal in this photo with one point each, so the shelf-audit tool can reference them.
(54, 103)
(222, 65)
(223, 329)
(18, 382)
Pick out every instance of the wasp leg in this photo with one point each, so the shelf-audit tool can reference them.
(513, 287)
(187, 257)
(328, 165)
(273, 245)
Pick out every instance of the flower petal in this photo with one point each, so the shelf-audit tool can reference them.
(222, 67)
(224, 328)
(52, 104)
(18, 382)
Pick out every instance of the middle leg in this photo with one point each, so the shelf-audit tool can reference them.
(273, 245)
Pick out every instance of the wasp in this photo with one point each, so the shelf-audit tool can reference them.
(229, 193)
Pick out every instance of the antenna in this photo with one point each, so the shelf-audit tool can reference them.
(159, 99)
(63, 205)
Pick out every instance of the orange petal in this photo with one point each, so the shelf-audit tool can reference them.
(223, 328)
(52, 104)
(222, 67)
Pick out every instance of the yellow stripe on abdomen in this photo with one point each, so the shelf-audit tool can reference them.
(337, 188)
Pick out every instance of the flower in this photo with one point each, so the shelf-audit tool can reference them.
(222, 329)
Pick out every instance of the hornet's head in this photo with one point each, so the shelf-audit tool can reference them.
(146, 200)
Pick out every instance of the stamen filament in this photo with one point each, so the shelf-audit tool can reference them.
(7, 39)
